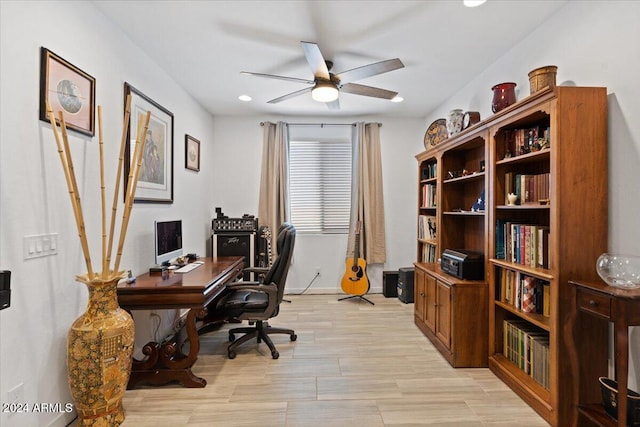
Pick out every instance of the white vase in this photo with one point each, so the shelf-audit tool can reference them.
(454, 121)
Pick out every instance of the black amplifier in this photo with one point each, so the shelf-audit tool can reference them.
(247, 224)
(463, 264)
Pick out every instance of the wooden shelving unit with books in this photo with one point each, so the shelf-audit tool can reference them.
(452, 312)
(550, 151)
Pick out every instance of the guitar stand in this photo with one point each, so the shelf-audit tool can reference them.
(357, 296)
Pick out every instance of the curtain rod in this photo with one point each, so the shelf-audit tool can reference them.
(322, 124)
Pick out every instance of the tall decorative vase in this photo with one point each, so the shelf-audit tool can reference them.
(504, 94)
(99, 355)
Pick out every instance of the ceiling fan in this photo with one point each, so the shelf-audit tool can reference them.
(326, 85)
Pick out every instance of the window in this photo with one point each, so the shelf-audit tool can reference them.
(320, 185)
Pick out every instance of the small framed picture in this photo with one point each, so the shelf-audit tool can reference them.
(68, 89)
(191, 153)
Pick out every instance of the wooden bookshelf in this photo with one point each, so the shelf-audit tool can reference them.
(565, 132)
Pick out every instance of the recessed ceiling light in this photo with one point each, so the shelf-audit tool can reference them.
(473, 3)
(397, 98)
(245, 98)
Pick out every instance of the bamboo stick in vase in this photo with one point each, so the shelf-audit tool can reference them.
(67, 174)
(134, 171)
(80, 218)
(114, 209)
(105, 266)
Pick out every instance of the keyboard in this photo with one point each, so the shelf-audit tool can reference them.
(189, 267)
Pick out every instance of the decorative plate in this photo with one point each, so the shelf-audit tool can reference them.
(436, 133)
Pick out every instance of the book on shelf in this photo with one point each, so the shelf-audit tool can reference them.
(525, 244)
(428, 253)
(429, 171)
(428, 196)
(523, 141)
(522, 291)
(528, 348)
(530, 188)
(427, 227)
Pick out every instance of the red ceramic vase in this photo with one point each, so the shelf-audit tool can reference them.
(504, 94)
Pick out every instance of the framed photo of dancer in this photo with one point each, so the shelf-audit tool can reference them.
(155, 182)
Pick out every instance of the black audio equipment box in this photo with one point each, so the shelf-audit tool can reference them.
(405, 284)
(390, 284)
(463, 264)
(246, 224)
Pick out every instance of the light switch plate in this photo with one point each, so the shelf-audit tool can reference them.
(39, 245)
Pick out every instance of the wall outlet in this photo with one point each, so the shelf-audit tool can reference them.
(16, 394)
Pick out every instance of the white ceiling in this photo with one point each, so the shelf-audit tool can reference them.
(204, 45)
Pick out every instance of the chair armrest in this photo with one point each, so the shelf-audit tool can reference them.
(256, 269)
(271, 289)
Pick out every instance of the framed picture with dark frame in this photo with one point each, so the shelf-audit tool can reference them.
(155, 182)
(68, 89)
(191, 153)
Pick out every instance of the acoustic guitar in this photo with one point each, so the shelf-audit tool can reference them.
(355, 280)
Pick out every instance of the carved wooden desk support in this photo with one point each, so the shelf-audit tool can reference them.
(167, 361)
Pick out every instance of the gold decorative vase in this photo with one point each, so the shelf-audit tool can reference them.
(99, 355)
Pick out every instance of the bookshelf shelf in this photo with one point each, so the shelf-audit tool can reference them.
(429, 181)
(560, 137)
(538, 320)
(471, 177)
(540, 273)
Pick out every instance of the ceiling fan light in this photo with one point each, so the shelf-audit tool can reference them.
(397, 98)
(473, 3)
(324, 92)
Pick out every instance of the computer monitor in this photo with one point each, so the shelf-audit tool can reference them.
(168, 236)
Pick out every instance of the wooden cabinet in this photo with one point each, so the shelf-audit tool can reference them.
(550, 151)
(452, 313)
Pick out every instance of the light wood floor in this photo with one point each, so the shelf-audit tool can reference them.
(353, 365)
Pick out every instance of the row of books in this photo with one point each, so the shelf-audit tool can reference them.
(427, 227)
(428, 196)
(524, 244)
(523, 141)
(428, 253)
(522, 291)
(429, 171)
(528, 348)
(528, 188)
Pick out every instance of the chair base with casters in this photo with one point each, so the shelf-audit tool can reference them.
(261, 332)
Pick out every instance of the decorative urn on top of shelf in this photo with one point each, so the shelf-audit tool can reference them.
(454, 121)
(504, 94)
(542, 77)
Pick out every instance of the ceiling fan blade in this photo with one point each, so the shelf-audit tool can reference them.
(272, 76)
(333, 105)
(315, 60)
(375, 92)
(290, 95)
(369, 70)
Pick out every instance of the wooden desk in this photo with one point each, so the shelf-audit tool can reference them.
(622, 307)
(165, 362)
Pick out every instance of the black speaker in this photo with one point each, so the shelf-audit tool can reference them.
(390, 284)
(405, 284)
(236, 244)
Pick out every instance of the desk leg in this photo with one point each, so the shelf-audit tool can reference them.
(166, 362)
(622, 368)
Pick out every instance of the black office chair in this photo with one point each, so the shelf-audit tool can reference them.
(259, 302)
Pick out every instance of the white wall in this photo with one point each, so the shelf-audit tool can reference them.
(45, 297)
(593, 43)
(401, 139)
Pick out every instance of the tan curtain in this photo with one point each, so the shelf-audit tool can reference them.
(367, 204)
(273, 202)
